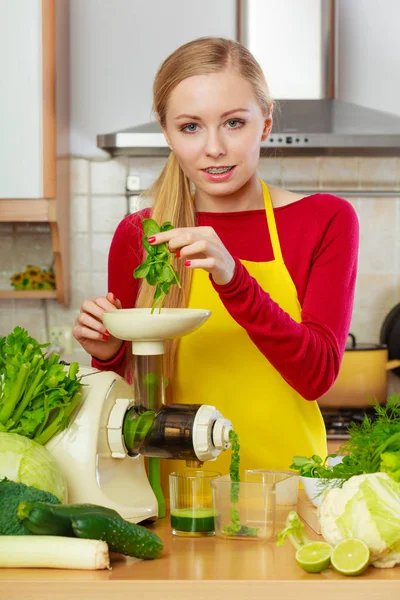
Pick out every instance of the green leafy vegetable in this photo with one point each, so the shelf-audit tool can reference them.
(37, 394)
(372, 440)
(373, 446)
(25, 461)
(157, 268)
(367, 507)
(310, 467)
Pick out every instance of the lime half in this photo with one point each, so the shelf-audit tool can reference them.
(314, 557)
(350, 557)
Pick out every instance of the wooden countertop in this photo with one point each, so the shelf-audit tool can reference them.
(201, 568)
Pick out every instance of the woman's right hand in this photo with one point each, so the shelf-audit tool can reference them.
(90, 332)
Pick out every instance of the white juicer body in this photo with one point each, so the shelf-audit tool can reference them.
(94, 473)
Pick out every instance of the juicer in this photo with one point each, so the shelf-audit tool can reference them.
(116, 425)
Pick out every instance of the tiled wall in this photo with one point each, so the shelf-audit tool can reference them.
(98, 203)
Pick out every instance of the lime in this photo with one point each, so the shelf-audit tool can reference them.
(314, 557)
(350, 557)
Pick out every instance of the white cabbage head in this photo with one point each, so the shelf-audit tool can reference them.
(367, 507)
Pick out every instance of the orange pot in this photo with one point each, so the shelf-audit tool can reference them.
(362, 377)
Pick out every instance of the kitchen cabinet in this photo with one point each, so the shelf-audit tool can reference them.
(34, 125)
(199, 568)
(334, 445)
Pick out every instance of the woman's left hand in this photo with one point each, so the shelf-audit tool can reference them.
(200, 248)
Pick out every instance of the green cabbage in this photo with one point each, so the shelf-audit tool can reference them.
(25, 461)
(367, 507)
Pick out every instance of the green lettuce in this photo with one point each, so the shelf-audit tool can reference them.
(24, 461)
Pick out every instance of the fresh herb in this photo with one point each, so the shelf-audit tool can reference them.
(234, 527)
(314, 466)
(373, 446)
(37, 394)
(157, 268)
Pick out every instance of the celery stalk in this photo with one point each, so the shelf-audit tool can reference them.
(15, 394)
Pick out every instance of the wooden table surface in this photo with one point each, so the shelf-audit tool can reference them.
(201, 568)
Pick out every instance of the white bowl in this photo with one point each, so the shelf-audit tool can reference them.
(314, 488)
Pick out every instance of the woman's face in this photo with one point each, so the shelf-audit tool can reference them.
(214, 121)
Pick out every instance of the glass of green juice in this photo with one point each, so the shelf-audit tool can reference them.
(191, 504)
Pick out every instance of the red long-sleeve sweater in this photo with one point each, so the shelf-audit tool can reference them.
(319, 240)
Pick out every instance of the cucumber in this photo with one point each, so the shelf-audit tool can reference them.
(40, 518)
(121, 536)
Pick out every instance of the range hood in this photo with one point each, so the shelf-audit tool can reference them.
(311, 119)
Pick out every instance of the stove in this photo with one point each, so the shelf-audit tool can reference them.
(338, 420)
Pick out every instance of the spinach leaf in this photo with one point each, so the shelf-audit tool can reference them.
(157, 268)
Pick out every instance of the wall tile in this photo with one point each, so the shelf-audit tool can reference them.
(80, 168)
(108, 177)
(7, 316)
(377, 253)
(81, 289)
(80, 253)
(270, 170)
(377, 215)
(5, 283)
(30, 318)
(140, 202)
(300, 173)
(379, 173)
(79, 214)
(32, 228)
(377, 292)
(100, 246)
(148, 168)
(339, 173)
(99, 283)
(32, 249)
(6, 250)
(107, 213)
(369, 325)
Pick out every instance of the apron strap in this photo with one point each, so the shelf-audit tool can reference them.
(273, 232)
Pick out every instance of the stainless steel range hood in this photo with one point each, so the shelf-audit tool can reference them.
(312, 119)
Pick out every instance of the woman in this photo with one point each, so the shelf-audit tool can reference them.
(277, 269)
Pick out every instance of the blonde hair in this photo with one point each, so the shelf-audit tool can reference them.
(171, 192)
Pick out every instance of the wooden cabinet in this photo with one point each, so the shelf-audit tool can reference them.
(34, 125)
(334, 445)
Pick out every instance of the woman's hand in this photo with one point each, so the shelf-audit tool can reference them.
(90, 332)
(200, 248)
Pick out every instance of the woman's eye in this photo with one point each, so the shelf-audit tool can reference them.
(189, 128)
(235, 123)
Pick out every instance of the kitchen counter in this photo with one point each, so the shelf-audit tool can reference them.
(199, 568)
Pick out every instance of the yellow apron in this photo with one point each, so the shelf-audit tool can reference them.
(221, 366)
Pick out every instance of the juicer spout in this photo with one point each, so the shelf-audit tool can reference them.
(194, 464)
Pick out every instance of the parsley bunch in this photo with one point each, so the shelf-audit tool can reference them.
(157, 268)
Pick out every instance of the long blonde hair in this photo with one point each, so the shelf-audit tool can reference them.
(171, 192)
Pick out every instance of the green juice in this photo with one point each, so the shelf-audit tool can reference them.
(193, 520)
